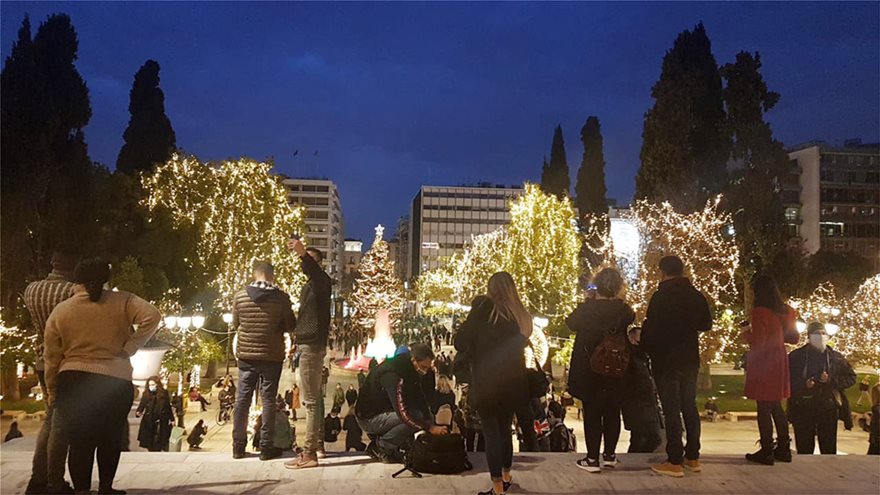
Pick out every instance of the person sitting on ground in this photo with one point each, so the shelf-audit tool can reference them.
(195, 395)
(197, 435)
(354, 434)
(14, 432)
(710, 408)
(332, 425)
(392, 404)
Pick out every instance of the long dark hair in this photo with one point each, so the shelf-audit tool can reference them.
(93, 273)
(767, 294)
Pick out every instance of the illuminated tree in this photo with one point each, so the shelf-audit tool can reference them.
(860, 332)
(377, 286)
(240, 213)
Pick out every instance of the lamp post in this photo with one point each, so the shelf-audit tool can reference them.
(227, 318)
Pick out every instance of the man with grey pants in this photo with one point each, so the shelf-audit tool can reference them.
(312, 330)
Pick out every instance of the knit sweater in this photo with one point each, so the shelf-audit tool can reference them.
(40, 298)
(97, 337)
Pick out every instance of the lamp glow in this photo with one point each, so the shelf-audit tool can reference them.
(198, 321)
(227, 318)
(184, 322)
(832, 328)
(801, 326)
(170, 321)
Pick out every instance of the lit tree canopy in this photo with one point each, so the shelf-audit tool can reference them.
(240, 212)
(377, 286)
(539, 249)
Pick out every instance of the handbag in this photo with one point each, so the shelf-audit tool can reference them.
(438, 454)
(611, 357)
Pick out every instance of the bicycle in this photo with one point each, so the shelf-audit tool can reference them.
(225, 413)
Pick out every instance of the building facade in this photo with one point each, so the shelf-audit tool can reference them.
(324, 220)
(836, 203)
(399, 247)
(444, 219)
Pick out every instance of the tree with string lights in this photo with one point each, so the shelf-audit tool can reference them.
(377, 286)
(240, 213)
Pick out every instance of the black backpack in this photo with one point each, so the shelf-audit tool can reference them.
(562, 439)
(438, 454)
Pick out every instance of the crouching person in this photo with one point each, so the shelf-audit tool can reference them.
(391, 406)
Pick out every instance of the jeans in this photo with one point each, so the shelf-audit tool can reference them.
(770, 412)
(499, 442)
(602, 420)
(50, 453)
(811, 424)
(249, 373)
(678, 391)
(93, 410)
(311, 365)
(390, 431)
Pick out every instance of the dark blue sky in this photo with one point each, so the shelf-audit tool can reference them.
(396, 95)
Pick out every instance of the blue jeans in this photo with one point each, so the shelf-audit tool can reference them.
(311, 367)
(678, 395)
(391, 432)
(249, 373)
(50, 453)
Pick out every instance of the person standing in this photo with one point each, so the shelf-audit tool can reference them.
(157, 418)
(639, 402)
(89, 341)
(311, 334)
(338, 396)
(594, 320)
(767, 374)
(819, 377)
(495, 334)
(677, 314)
(351, 396)
(864, 386)
(261, 314)
(50, 453)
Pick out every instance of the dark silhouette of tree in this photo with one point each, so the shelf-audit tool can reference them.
(590, 187)
(685, 141)
(149, 138)
(554, 176)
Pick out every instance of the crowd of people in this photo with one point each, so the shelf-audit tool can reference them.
(643, 372)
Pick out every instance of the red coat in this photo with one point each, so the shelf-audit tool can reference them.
(767, 375)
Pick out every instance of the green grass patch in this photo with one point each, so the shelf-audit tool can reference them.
(26, 405)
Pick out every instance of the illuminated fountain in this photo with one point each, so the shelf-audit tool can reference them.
(381, 346)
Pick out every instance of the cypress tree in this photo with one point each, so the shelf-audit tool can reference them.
(590, 186)
(554, 176)
(685, 143)
(149, 138)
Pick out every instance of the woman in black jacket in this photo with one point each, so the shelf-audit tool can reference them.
(593, 320)
(494, 335)
(156, 417)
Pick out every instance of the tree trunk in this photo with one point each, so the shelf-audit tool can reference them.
(704, 378)
(11, 390)
(212, 369)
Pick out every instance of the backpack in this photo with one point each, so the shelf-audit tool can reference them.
(611, 356)
(438, 454)
(562, 439)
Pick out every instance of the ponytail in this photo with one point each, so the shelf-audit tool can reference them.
(93, 274)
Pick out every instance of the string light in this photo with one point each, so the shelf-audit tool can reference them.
(377, 286)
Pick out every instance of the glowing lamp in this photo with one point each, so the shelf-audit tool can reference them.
(184, 322)
(227, 318)
(170, 321)
(146, 363)
(831, 328)
(198, 321)
(801, 326)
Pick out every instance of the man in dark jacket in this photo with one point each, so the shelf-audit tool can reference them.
(676, 316)
(819, 377)
(261, 314)
(393, 405)
(312, 331)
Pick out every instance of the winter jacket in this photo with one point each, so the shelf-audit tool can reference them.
(592, 320)
(354, 435)
(261, 316)
(676, 316)
(767, 374)
(639, 399)
(332, 428)
(156, 422)
(495, 352)
(806, 362)
(313, 327)
(351, 396)
(395, 385)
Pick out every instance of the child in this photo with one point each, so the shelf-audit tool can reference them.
(354, 435)
(332, 426)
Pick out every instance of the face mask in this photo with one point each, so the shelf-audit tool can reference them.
(153, 388)
(818, 341)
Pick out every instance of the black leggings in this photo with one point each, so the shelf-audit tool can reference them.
(770, 413)
(94, 410)
(499, 441)
(602, 420)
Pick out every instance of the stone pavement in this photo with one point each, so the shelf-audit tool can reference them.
(203, 473)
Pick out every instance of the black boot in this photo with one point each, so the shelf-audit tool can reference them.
(763, 456)
(782, 452)
(238, 452)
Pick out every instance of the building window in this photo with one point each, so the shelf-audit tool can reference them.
(791, 214)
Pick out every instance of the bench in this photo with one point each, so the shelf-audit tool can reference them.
(38, 415)
(736, 416)
(14, 415)
(193, 407)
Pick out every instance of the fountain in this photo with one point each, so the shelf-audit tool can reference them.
(380, 347)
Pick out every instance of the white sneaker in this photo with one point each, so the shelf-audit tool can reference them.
(322, 454)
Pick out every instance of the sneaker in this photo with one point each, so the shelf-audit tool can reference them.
(782, 453)
(302, 461)
(692, 465)
(609, 460)
(589, 465)
(507, 484)
(270, 453)
(762, 456)
(373, 450)
(668, 469)
(322, 454)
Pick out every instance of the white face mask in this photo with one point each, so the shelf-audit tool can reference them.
(153, 387)
(818, 341)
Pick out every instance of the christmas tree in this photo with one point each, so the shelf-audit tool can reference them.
(377, 287)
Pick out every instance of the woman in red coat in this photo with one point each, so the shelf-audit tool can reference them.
(767, 374)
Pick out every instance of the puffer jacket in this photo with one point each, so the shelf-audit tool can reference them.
(261, 316)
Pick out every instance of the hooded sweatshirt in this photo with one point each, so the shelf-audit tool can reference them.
(261, 313)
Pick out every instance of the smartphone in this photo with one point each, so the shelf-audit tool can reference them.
(295, 236)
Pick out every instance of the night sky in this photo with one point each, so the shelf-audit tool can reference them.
(394, 95)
